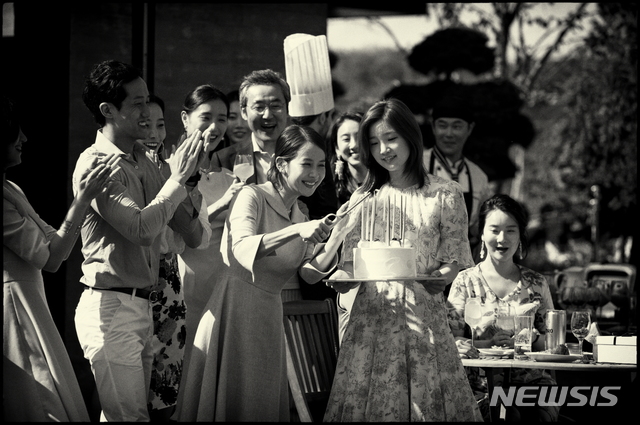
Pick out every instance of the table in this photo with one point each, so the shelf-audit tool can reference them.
(494, 365)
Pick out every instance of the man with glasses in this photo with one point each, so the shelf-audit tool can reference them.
(264, 99)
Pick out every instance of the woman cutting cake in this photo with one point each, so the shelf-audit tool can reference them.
(398, 359)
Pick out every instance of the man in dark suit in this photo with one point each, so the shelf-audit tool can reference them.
(264, 100)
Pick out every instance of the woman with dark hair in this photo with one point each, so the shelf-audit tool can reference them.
(206, 109)
(237, 369)
(398, 359)
(238, 130)
(39, 383)
(505, 289)
(169, 311)
(344, 157)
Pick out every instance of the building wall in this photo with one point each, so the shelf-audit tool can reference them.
(220, 43)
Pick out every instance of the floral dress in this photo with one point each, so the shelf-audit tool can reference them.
(169, 314)
(531, 297)
(398, 359)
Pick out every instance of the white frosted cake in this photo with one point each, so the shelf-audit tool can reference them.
(384, 262)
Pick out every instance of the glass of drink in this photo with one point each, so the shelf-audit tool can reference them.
(243, 167)
(523, 330)
(472, 314)
(580, 324)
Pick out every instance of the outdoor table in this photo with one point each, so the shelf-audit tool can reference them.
(492, 366)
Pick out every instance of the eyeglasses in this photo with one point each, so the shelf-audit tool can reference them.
(274, 108)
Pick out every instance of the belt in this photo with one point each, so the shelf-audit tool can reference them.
(152, 296)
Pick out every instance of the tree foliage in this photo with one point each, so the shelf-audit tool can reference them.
(450, 49)
(601, 108)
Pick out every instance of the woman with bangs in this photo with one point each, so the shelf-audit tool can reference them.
(398, 359)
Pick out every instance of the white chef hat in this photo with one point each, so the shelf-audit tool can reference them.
(308, 74)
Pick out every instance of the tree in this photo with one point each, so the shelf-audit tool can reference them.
(601, 132)
(499, 21)
(451, 49)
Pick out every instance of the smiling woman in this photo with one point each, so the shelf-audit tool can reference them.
(267, 242)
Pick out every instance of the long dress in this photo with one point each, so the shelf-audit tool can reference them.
(237, 367)
(201, 269)
(38, 380)
(398, 359)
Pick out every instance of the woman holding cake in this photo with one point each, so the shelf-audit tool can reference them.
(398, 359)
(502, 285)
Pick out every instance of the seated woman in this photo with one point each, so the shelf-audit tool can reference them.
(505, 289)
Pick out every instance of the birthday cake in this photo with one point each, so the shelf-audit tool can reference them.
(389, 255)
(384, 262)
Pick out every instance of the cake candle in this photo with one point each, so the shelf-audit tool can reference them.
(373, 216)
(393, 220)
(402, 218)
(362, 220)
(388, 208)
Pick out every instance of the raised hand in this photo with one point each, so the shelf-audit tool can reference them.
(95, 178)
(185, 160)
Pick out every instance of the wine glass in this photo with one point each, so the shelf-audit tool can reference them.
(580, 323)
(472, 314)
(243, 167)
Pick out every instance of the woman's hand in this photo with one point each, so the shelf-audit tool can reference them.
(95, 178)
(465, 349)
(502, 338)
(314, 231)
(342, 287)
(435, 286)
(231, 191)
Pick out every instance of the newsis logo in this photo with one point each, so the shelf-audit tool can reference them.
(554, 396)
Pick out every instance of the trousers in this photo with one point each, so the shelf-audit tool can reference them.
(115, 332)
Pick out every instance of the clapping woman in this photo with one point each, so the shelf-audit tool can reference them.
(39, 383)
(398, 359)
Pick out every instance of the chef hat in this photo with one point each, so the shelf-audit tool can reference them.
(308, 74)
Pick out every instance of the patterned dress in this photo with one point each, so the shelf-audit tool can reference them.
(531, 297)
(169, 312)
(169, 335)
(398, 359)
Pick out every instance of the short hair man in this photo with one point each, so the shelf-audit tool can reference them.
(121, 238)
(452, 123)
(264, 100)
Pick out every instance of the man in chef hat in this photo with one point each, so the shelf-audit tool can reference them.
(308, 74)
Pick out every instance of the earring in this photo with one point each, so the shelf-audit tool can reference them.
(483, 251)
(520, 251)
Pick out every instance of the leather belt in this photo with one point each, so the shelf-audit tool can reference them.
(152, 296)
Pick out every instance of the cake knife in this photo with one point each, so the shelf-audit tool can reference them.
(334, 218)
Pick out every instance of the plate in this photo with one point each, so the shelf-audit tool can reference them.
(496, 351)
(546, 357)
(419, 278)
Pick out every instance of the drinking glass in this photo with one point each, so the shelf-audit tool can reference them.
(243, 167)
(504, 318)
(580, 323)
(472, 314)
(523, 329)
